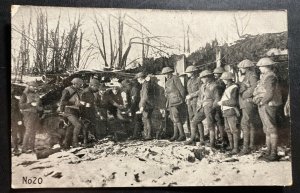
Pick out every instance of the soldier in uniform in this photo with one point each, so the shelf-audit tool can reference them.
(268, 97)
(134, 107)
(146, 104)
(218, 116)
(30, 106)
(193, 85)
(69, 105)
(229, 107)
(175, 94)
(208, 96)
(88, 107)
(249, 109)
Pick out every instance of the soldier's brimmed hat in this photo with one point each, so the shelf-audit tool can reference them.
(94, 82)
(227, 76)
(265, 62)
(77, 81)
(245, 64)
(218, 70)
(191, 69)
(33, 83)
(140, 75)
(167, 70)
(205, 73)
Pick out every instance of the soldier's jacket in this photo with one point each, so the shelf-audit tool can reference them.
(70, 99)
(88, 99)
(229, 101)
(147, 96)
(26, 101)
(221, 86)
(247, 87)
(135, 97)
(193, 85)
(174, 91)
(267, 90)
(208, 95)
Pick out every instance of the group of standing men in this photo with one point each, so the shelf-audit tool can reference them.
(218, 97)
(222, 99)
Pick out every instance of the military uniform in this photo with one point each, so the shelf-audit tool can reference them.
(147, 103)
(208, 96)
(69, 105)
(268, 97)
(249, 109)
(175, 94)
(16, 128)
(218, 115)
(31, 117)
(88, 111)
(193, 86)
(229, 107)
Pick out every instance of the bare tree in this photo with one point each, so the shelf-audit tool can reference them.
(241, 22)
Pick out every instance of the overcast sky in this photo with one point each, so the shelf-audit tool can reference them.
(170, 24)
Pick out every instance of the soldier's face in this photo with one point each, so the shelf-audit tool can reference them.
(115, 91)
(243, 70)
(94, 88)
(226, 82)
(189, 75)
(204, 80)
(169, 75)
(263, 69)
(76, 85)
(32, 88)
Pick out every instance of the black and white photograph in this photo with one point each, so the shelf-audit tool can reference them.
(116, 97)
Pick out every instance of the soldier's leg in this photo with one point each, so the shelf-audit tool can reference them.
(229, 134)
(232, 122)
(263, 114)
(220, 123)
(209, 115)
(77, 126)
(147, 124)
(245, 125)
(180, 119)
(14, 136)
(26, 138)
(197, 119)
(273, 131)
(175, 128)
(36, 124)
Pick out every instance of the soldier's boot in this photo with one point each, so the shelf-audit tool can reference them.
(252, 139)
(273, 155)
(235, 149)
(230, 140)
(222, 134)
(181, 133)
(201, 134)
(246, 150)
(148, 132)
(191, 141)
(75, 136)
(175, 133)
(211, 138)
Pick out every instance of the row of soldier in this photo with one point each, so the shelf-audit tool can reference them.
(213, 96)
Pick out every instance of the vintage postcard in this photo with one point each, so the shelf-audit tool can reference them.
(145, 98)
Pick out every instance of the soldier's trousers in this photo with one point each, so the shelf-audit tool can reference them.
(32, 124)
(76, 129)
(268, 117)
(231, 124)
(15, 131)
(147, 121)
(205, 113)
(249, 117)
(178, 113)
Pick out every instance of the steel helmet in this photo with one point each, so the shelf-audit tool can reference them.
(245, 64)
(218, 70)
(227, 76)
(33, 83)
(94, 82)
(166, 70)
(205, 73)
(77, 81)
(265, 62)
(190, 69)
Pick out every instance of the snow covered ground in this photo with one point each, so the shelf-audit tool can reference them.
(151, 163)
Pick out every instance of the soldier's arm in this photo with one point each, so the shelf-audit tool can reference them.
(249, 92)
(180, 87)
(23, 102)
(64, 99)
(217, 97)
(270, 86)
(144, 96)
(233, 101)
